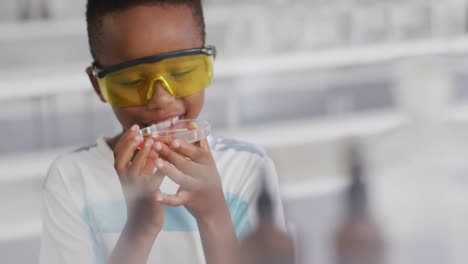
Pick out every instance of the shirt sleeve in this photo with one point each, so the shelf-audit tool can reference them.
(269, 174)
(66, 237)
(243, 191)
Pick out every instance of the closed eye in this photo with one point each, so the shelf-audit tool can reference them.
(130, 82)
(177, 74)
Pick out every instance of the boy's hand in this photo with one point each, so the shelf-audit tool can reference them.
(192, 167)
(140, 182)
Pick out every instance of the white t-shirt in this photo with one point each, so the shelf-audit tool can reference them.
(85, 211)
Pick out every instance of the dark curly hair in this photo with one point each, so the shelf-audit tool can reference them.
(97, 9)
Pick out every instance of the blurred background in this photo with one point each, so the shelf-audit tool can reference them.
(294, 76)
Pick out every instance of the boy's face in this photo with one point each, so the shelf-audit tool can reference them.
(144, 31)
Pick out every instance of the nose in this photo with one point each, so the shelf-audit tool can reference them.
(161, 97)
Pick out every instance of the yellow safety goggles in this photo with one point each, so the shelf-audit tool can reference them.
(132, 83)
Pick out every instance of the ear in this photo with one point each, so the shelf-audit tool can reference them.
(95, 83)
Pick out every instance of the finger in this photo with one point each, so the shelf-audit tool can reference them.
(152, 186)
(175, 174)
(138, 163)
(150, 165)
(156, 181)
(193, 126)
(203, 144)
(126, 136)
(126, 152)
(174, 158)
(158, 178)
(188, 150)
(181, 198)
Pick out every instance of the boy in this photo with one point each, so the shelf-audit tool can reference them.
(102, 203)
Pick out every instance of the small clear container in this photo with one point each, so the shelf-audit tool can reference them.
(188, 130)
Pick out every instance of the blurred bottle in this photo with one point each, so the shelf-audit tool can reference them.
(358, 240)
(267, 244)
(31, 9)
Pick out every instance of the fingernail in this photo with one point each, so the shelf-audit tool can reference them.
(148, 143)
(159, 163)
(176, 143)
(159, 198)
(134, 128)
(138, 138)
(158, 146)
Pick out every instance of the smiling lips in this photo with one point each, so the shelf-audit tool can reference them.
(168, 124)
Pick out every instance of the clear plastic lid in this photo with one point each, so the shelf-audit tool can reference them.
(189, 130)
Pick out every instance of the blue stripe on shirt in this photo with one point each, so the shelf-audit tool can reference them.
(98, 252)
(224, 144)
(110, 217)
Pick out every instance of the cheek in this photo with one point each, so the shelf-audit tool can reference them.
(194, 104)
(125, 117)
